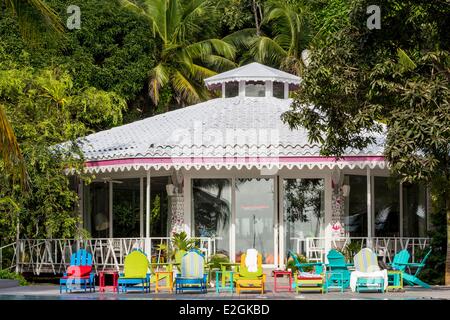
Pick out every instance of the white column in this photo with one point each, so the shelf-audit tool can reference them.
(223, 89)
(233, 221)
(286, 90)
(401, 208)
(281, 223)
(276, 242)
(187, 196)
(147, 217)
(269, 88)
(369, 208)
(141, 207)
(110, 209)
(326, 229)
(242, 88)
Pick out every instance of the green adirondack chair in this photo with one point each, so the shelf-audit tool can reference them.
(135, 273)
(338, 274)
(317, 266)
(401, 263)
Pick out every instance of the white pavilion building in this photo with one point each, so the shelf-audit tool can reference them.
(229, 172)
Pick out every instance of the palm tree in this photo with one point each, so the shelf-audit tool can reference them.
(31, 15)
(290, 28)
(182, 62)
(34, 17)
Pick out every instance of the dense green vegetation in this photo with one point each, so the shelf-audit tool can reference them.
(398, 75)
(132, 59)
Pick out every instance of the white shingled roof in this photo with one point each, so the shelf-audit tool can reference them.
(253, 71)
(223, 127)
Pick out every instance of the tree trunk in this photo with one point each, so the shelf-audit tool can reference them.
(255, 10)
(447, 260)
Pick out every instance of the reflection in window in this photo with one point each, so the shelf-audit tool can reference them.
(159, 206)
(231, 89)
(126, 206)
(96, 209)
(356, 206)
(255, 89)
(414, 210)
(278, 90)
(255, 217)
(387, 208)
(212, 210)
(303, 209)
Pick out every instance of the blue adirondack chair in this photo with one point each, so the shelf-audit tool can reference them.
(338, 275)
(80, 262)
(193, 276)
(401, 263)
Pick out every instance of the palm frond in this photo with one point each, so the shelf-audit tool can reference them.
(132, 6)
(219, 63)
(34, 17)
(204, 48)
(184, 88)
(266, 50)
(242, 38)
(405, 61)
(10, 150)
(200, 72)
(159, 76)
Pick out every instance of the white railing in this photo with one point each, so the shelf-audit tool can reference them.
(53, 255)
(5, 264)
(314, 248)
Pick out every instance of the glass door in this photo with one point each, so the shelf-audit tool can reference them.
(255, 205)
(304, 211)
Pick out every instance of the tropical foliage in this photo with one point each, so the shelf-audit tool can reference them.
(395, 80)
(183, 61)
(46, 110)
(34, 17)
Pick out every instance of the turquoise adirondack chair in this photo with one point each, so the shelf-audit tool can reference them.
(193, 276)
(79, 272)
(338, 273)
(401, 263)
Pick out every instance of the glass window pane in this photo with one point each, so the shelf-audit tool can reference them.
(160, 204)
(126, 219)
(304, 211)
(414, 210)
(96, 209)
(231, 89)
(212, 210)
(254, 217)
(255, 89)
(278, 90)
(356, 206)
(387, 208)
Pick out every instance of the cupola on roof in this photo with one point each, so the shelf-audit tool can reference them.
(252, 72)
